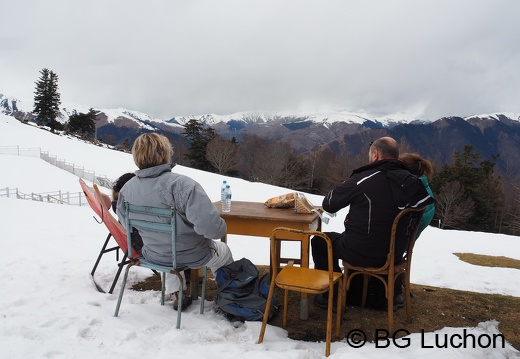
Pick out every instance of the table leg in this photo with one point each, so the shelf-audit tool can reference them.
(304, 307)
(304, 301)
(194, 284)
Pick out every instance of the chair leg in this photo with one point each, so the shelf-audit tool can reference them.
(267, 309)
(390, 306)
(123, 284)
(285, 306)
(408, 297)
(345, 288)
(163, 286)
(103, 251)
(329, 321)
(203, 291)
(339, 306)
(179, 308)
(119, 269)
(365, 291)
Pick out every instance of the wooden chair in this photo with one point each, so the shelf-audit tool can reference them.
(161, 220)
(389, 272)
(101, 203)
(303, 280)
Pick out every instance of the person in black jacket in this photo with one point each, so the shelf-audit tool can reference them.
(374, 202)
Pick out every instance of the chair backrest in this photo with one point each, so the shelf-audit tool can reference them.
(291, 234)
(409, 218)
(154, 219)
(116, 229)
(92, 200)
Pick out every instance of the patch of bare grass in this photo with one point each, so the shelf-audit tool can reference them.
(432, 309)
(489, 261)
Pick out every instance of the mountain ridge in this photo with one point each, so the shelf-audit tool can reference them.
(489, 134)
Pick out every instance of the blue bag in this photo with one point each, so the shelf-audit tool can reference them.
(241, 295)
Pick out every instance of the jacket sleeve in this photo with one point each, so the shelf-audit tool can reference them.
(203, 214)
(120, 209)
(340, 197)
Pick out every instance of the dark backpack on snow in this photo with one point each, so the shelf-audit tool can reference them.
(241, 295)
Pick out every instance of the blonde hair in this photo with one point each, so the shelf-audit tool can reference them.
(151, 149)
(417, 165)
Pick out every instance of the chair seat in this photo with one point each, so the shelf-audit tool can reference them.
(306, 280)
(143, 262)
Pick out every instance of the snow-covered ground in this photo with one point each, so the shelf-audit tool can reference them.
(50, 309)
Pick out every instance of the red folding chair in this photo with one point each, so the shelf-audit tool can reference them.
(100, 204)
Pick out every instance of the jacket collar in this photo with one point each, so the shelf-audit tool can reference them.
(155, 171)
(382, 165)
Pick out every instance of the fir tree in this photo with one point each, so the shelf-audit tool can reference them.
(83, 123)
(199, 137)
(47, 99)
(479, 183)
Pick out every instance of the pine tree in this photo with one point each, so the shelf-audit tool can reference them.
(47, 99)
(83, 123)
(199, 137)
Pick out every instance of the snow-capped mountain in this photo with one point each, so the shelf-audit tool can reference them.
(342, 132)
(122, 117)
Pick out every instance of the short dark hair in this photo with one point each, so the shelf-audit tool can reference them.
(387, 147)
(120, 182)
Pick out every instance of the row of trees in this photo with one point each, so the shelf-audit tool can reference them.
(260, 159)
(469, 194)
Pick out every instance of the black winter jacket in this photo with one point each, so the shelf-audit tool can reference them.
(375, 193)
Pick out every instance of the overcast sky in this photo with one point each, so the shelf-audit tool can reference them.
(168, 58)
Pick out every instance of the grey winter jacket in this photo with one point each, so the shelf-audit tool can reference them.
(198, 220)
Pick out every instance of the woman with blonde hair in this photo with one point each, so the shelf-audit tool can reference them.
(198, 220)
(423, 169)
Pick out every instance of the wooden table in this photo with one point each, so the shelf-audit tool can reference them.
(255, 219)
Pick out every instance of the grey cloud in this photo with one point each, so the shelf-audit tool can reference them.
(168, 58)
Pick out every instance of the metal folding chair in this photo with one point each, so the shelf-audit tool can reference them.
(161, 220)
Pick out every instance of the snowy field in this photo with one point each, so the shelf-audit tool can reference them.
(50, 308)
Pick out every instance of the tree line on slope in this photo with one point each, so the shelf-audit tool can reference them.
(469, 194)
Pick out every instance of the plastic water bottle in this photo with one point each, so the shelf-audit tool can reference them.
(226, 199)
(222, 189)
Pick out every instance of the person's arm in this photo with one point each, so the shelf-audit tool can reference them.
(120, 209)
(203, 214)
(340, 197)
